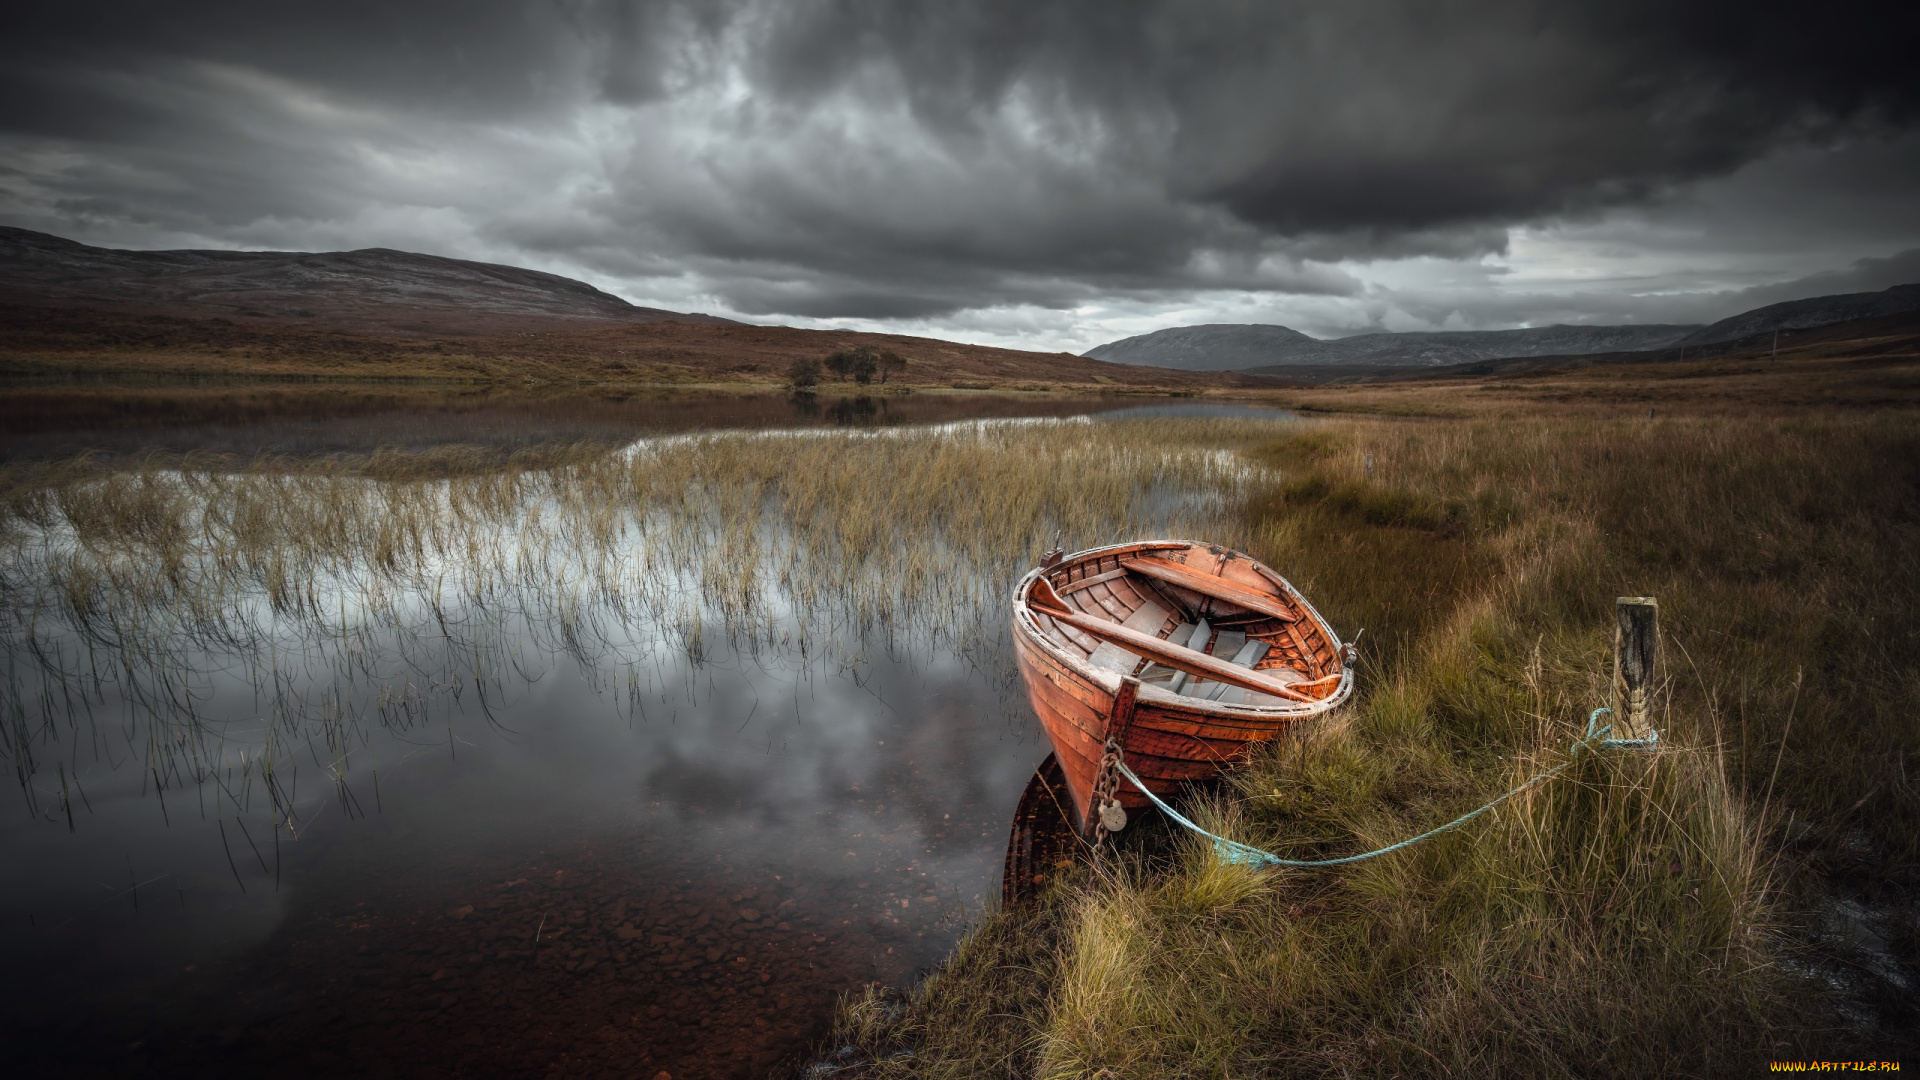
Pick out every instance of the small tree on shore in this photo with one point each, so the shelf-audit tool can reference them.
(891, 362)
(859, 361)
(803, 373)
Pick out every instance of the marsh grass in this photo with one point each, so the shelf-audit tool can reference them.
(369, 590)
(1638, 915)
(1785, 553)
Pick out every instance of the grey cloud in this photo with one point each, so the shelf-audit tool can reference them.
(482, 59)
(1365, 115)
(1471, 111)
(1471, 306)
(862, 159)
(1864, 275)
(1376, 244)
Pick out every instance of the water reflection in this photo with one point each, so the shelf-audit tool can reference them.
(632, 764)
(46, 420)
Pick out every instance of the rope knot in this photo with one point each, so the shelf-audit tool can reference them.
(1597, 735)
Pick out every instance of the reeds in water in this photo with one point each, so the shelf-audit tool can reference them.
(319, 579)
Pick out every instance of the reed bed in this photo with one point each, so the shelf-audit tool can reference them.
(348, 592)
(1664, 914)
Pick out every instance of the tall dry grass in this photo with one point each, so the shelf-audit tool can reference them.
(355, 591)
(1785, 554)
(1639, 914)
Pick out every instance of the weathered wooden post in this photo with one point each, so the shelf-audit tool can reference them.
(1636, 643)
(1369, 465)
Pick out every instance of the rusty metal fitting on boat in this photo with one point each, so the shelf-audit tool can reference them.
(1109, 816)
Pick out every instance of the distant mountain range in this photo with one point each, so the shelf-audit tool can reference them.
(1254, 346)
(370, 288)
(382, 291)
(1232, 347)
(1811, 312)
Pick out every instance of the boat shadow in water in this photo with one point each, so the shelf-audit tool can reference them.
(1043, 843)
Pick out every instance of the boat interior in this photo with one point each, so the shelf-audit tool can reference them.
(1216, 603)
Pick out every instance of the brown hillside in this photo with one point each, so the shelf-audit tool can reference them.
(55, 340)
(67, 307)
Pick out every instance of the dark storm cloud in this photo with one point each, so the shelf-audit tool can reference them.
(1372, 116)
(1604, 307)
(491, 60)
(1430, 114)
(1864, 275)
(908, 160)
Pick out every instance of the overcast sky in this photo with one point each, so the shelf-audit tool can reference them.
(1037, 174)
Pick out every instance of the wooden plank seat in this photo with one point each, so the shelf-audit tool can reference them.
(1147, 620)
(1212, 585)
(1231, 645)
(1190, 661)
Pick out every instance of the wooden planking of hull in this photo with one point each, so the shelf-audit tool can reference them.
(1091, 675)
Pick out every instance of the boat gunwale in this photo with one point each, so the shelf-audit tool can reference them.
(1026, 625)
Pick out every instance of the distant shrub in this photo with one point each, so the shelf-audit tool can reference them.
(803, 373)
(860, 361)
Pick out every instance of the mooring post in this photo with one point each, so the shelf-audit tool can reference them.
(1636, 642)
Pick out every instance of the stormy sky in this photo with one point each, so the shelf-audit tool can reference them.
(1045, 175)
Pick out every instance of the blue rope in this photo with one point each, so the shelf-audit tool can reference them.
(1232, 851)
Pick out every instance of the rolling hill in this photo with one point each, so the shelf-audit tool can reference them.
(1809, 313)
(67, 308)
(373, 288)
(1275, 349)
(1231, 346)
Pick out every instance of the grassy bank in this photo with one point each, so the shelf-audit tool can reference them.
(1670, 914)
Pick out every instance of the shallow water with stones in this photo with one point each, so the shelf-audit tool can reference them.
(508, 853)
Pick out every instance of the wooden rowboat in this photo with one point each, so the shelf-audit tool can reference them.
(1179, 656)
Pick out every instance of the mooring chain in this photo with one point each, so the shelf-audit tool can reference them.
(1109, 816)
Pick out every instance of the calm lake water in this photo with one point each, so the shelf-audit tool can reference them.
(45, 420)
(490, 834)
